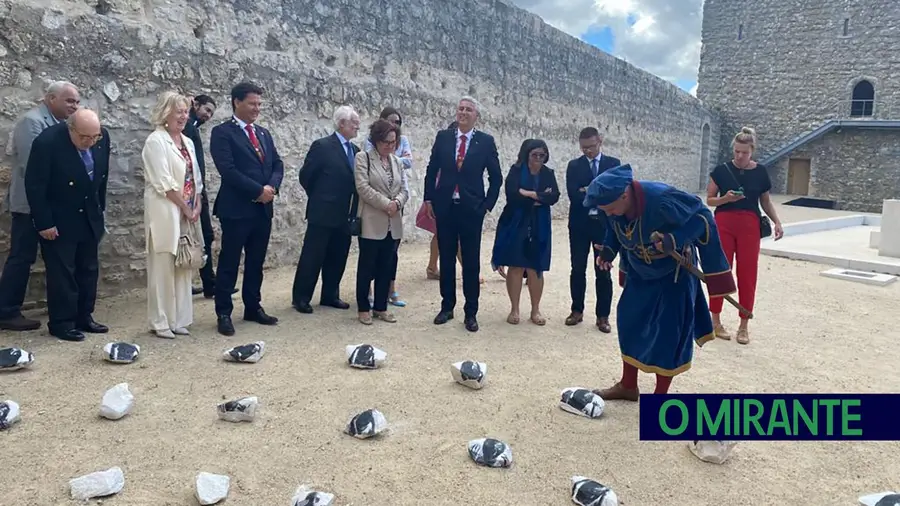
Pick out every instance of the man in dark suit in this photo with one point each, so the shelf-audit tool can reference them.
(459, 203)
(328, 177)
(202, 110)
(587, 226)
(251, 170)
(65, 182)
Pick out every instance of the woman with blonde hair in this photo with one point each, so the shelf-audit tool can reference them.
(171, 212)
(737, 189)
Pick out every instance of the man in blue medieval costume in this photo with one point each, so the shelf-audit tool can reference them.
(662, 310)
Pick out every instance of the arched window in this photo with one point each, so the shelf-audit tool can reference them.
(863, 100)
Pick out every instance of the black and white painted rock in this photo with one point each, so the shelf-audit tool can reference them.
(9, 413)
(880, 499)
(13, 359)
(587, 492)
(99, 484)
(490, 452)
(307, 496)
(249, 353)
(469, 373)
(367, 424)
(716, 452)
(365, 356)
(117, 402)
(121, 353)
(239, 410)
(581, 401)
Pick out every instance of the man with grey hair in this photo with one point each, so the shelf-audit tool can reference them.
(458, 203)
(328, 177)
(59, 102)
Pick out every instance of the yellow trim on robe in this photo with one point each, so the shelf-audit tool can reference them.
(705, 339)
(652, 369)
(706, 222)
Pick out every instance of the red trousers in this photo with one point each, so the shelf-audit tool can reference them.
(739, 234)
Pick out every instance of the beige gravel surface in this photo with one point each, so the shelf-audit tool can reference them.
(812, 334)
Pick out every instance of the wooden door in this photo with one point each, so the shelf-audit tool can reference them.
(798, 176)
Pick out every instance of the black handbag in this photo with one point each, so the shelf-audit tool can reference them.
(765, 225)
(354, 221)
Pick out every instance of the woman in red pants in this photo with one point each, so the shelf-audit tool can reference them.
(737, 189)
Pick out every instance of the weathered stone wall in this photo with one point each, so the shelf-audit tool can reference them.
(793, 68)
(838, 171)
(311, 56)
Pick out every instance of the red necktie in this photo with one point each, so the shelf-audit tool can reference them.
(460, 156)
(254, 141)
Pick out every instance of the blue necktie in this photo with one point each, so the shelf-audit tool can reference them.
(88, 163)
(350, 156)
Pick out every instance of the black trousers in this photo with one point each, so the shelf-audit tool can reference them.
(395, 260)
(580, 248)
(72, 269)
(375, 262)
(325, 251)
(207, 274)
(460, 228)
(250, 236)
(23, 248)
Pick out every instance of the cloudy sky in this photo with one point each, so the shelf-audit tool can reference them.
(659, 36)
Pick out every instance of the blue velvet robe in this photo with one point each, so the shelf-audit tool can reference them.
(663, 310)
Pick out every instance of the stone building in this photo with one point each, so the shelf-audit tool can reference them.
(819, 80)
(311, 56)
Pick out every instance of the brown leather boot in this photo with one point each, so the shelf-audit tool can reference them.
(618, 393)
(603, 325)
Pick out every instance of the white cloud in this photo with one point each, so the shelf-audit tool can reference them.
(654, 35)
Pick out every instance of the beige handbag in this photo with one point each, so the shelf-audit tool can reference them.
(189, 254)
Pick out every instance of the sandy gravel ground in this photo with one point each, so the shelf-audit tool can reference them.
(813, 334)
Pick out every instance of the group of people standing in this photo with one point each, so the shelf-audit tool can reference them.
(62, 155)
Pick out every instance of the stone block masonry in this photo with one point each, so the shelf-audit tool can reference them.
(311, 56)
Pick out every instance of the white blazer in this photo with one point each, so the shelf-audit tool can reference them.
(164, 169)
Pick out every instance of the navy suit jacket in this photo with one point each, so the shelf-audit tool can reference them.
(243, 173)
(578, 176)
(329, 181)
(481, 155)
(59, 190)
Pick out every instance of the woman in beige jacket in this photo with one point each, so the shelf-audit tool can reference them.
(171, 190)
(382, 195)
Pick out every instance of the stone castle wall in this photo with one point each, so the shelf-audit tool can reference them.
(792, 69)
(310, 56)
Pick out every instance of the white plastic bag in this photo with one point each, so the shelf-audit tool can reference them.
(469, 373)
(306, 496)
(117, 402)
(588, 492)
(239, 410)
(490, 452)
(581, 401)
(365, 356)
(9, 413)
(13, 359)
(367, 424)
(250, 353)
(121, 353)
(716, 452)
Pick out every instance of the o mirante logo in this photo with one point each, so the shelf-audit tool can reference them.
(774, 417)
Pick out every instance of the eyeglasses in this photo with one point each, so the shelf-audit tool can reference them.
(538, 156)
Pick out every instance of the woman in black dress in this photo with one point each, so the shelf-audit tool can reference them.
(523, 236)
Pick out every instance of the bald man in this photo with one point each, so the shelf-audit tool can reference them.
(66, 186)
(60, 101)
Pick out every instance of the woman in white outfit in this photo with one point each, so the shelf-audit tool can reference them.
(171, 191)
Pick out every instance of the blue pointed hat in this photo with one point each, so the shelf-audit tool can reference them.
(608, 186)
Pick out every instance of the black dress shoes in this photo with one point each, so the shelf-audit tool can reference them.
(443, 317)
(90, 326)
(68, 335)
(471, 324)
(224, 325)
(337, 304)
(303, 307)
(260, 316)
